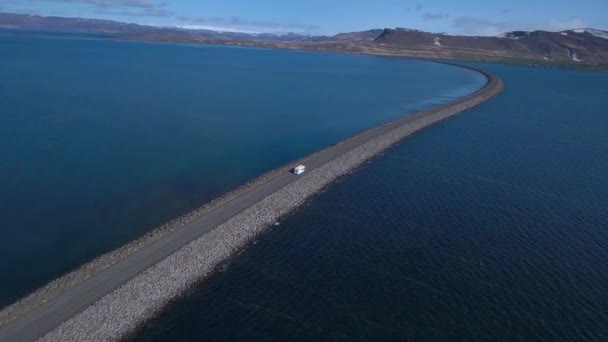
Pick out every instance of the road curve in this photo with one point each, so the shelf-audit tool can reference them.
(47, 316)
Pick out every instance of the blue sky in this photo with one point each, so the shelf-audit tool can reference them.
(481, 17)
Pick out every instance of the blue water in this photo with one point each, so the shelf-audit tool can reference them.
(492, 226)
(104, 140)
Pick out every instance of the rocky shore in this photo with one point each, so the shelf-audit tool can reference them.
(120, 312)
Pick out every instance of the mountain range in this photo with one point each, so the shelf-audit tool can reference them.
(576, 47)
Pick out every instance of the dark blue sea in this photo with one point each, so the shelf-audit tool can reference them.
(101, 141)
(492, 226)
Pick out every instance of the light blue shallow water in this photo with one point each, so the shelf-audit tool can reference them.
(103, 140)
(492, 226)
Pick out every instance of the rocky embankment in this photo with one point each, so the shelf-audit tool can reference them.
(120, 312)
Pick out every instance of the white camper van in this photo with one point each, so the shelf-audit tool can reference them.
(298, 170)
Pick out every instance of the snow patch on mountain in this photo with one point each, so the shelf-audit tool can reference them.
(593, 32)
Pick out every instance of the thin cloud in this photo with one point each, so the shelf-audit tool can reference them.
(419, 8)
(112, 3)
(237, 23)
(154, 13)
(131, 8)
(160, 9)
(137, 12)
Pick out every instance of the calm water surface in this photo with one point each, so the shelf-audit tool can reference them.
(490, 226)
(101, 141)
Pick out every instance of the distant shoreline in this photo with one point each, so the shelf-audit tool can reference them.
(364, 48)
(370, 50)
(118, 291)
